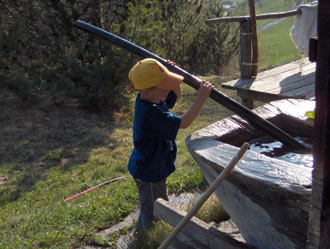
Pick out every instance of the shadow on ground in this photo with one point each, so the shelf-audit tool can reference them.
(33, 140)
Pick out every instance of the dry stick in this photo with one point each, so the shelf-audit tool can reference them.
(254, 70)
(205, 196)
(93, 188)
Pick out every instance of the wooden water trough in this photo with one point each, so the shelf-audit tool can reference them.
(268, 199)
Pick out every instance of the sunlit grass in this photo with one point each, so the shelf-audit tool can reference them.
(49, 156)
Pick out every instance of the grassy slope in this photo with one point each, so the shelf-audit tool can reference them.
(50, 155)
(275, 45)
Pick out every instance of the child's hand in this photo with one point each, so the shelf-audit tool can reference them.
(205, 89)
(171, 62)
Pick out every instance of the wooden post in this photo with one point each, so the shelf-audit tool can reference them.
(254, 67)
(319, 218)
(245, 47)
(246, 59)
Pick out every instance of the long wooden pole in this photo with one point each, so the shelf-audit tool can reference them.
(205, 196)
(258, 17)
(195, 82)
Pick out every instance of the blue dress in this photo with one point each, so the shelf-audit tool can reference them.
(154, 133)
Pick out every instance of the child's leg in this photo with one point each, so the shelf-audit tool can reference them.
(148, 193)
(146, 204)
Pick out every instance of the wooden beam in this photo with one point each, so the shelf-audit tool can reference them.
(319, 220)
(258, 17)
(196, 228)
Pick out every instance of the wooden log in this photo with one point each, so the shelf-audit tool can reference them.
(268, 199)
(258, 17)
(194, 82)
(196, 228)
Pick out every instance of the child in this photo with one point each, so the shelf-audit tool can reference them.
(155, 130)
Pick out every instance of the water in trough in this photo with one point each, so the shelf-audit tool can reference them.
(275, 149)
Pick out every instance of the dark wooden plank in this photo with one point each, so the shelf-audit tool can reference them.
(319, 227)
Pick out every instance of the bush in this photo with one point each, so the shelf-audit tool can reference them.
(43, 53)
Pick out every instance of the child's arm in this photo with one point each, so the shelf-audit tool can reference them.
(203, 93)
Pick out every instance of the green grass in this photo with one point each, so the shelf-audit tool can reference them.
(275, 45)
(49, 155)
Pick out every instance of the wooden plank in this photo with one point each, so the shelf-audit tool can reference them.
(279, 87)
(265, 97)
(273, 77)
(276, 81)
(258, 17)
(196, 228)
(283, 90)
(303, 91)
(282, 78)
(293, 67)
(287, 81)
